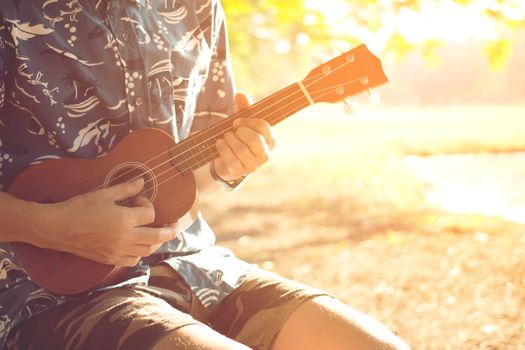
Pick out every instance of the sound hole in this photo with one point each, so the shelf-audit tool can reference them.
(130, 171)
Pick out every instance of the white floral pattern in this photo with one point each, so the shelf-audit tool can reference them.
(76, 77)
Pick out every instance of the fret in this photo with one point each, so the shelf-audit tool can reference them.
(199, 149)
(209, 153)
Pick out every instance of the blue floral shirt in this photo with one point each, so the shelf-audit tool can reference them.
(76, 77)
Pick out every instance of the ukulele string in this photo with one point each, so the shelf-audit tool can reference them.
(307, 83)
(315, 78)
(215, 126)
(214, 154)
(275, 119)
(214, 151)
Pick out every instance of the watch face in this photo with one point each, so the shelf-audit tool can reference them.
(234, 183)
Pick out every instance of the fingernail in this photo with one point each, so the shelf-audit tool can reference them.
(236, 123)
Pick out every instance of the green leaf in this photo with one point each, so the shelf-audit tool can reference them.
(499, 53)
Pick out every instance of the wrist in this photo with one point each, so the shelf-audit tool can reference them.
(43, 224)
(226, 182)
(27, 221)
(218, 172)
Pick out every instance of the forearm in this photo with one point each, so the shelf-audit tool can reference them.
(20, 221)
(206, 184)
(91, 225)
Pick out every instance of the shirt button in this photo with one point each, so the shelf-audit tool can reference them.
(139, 101)
(125, 36)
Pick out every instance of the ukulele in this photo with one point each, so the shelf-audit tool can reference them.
(167, 168)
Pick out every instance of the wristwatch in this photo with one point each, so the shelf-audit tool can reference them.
(229, 185)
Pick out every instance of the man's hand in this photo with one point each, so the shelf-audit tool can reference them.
(246, 148)
(94, 226)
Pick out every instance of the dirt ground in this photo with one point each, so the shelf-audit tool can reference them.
(337, 208)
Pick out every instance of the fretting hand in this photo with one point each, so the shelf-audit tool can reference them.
(246, 148)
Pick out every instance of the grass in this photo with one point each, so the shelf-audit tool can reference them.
(337, 198)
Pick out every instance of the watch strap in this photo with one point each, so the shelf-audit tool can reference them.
(229, 185)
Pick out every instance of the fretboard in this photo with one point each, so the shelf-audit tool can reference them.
(199, 149)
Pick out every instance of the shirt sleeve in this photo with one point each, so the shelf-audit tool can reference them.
(6, 48)
(216, 101)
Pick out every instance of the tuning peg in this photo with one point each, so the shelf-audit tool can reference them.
(373, 98)
(349, 107)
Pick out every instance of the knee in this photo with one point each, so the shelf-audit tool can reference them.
(395, 343)
(377, 335)
(362, 331)
(200, 337)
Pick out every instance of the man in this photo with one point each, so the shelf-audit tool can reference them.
(75, 78)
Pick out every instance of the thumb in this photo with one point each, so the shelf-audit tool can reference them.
(126, 190)
(242, 101)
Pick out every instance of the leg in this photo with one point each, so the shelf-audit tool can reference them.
(117, 319)
(325, 323)
(200, 337)
(271, 312)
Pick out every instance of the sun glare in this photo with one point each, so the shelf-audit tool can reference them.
(485, 199)
(442, 20)
(333, 10)
(448, 21)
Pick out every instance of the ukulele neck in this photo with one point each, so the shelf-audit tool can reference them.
(199, 149)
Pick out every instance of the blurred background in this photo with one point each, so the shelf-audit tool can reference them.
(411, 210)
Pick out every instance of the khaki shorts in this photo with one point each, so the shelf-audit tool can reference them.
(137, 317)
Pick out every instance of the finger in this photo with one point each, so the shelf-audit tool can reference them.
(229, 160)
(142, 250)
(126, 261)
(153, 235)
(260, 126)
(141, 201)
(255, 142)
(141, 215)
(142, 210)
(125, 190)
(118, 259)
(177, 226)
(242, 152)
(242, 101)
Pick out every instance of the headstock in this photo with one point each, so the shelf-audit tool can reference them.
(346, 75)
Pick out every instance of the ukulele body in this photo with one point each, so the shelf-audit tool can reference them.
(142, 153)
